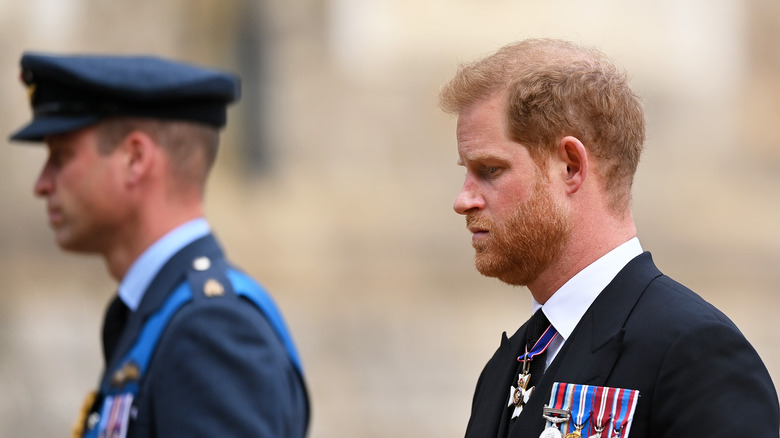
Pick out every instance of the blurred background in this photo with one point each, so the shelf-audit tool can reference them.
(337, 175)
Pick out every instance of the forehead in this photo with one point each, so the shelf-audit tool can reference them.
(482, 132)
(72, 139)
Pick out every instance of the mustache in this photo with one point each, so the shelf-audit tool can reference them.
(475, 221)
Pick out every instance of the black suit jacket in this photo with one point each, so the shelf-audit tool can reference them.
(697, 374)
(219, 370)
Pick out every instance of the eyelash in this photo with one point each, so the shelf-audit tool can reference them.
(490, 170)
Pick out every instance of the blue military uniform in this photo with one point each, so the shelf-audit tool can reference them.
(206, 354)
(204, 351)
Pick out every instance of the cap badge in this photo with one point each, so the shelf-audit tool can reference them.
(31, 93)
(27, 79)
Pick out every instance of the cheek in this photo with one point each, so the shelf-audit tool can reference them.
(98, 191)
(508, 197)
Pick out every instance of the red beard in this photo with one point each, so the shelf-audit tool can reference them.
(519, 249)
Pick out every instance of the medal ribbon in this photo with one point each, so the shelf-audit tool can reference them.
(597, 410)
(604, 397)
(554, 398)
(560, 398)
(577, 399)
(582, 397)
(541, 345)
(625, 404)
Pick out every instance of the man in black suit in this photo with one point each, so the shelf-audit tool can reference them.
(193, 346)
(550, 135)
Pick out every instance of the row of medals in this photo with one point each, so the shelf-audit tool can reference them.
(520, 396)
(558, 416)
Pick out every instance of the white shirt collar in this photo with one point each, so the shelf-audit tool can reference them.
(145, 268)
(568, 304)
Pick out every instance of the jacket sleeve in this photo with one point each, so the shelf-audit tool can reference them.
(220, 370)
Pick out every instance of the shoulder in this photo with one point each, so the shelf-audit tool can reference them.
(696, 346)
(667, 304)
(221, 357)
(221, 310)
(210, 307)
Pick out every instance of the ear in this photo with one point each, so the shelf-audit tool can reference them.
(572, 153)
(138, 156)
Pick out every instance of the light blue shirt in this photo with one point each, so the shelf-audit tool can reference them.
(568, 304)
(145, 268)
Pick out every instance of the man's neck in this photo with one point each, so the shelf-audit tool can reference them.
(583, 249)
(122, 253)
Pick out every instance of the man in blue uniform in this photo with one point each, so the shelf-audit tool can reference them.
(193, 346)
(550, 136)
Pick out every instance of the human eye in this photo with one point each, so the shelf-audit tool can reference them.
(59, 157)
(491, 171)
(56, 159)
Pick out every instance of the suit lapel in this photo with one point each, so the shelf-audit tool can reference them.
(170, 276)
(489, 407)
(590, 353)
(515, 346)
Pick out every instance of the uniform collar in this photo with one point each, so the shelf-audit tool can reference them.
(568, 304)
(145, 268)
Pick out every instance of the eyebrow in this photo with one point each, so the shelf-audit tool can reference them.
(482, 157)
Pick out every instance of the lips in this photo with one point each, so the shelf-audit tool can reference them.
(477, 227)
(55, 216)
(477, 230)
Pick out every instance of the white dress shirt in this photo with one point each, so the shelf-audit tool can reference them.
(568, 304)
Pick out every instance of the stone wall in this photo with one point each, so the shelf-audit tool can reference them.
(335, 183)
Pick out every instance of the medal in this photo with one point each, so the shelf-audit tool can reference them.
(598, 430)
(554, 418)
(577, 411)
(551, 432)
(115, 416)
(519, 395)
(582, 399)
(577, 431)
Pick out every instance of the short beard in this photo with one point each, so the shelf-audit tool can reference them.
(518, 250)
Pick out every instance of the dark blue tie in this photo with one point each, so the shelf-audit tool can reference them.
(536, 327)
(114, 323)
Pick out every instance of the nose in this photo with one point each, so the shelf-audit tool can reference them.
(469, 199)
(45, 183)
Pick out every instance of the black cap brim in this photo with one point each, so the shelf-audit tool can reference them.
(40, 127)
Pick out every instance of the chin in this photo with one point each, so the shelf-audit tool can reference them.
(67, 243)
(506, 275)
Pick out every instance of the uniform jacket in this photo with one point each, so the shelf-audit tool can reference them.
(219, 370)
(697, 374)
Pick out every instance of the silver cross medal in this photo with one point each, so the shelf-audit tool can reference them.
(518, 396)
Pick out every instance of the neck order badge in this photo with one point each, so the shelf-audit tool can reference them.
(592, 411)
(519, 395)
